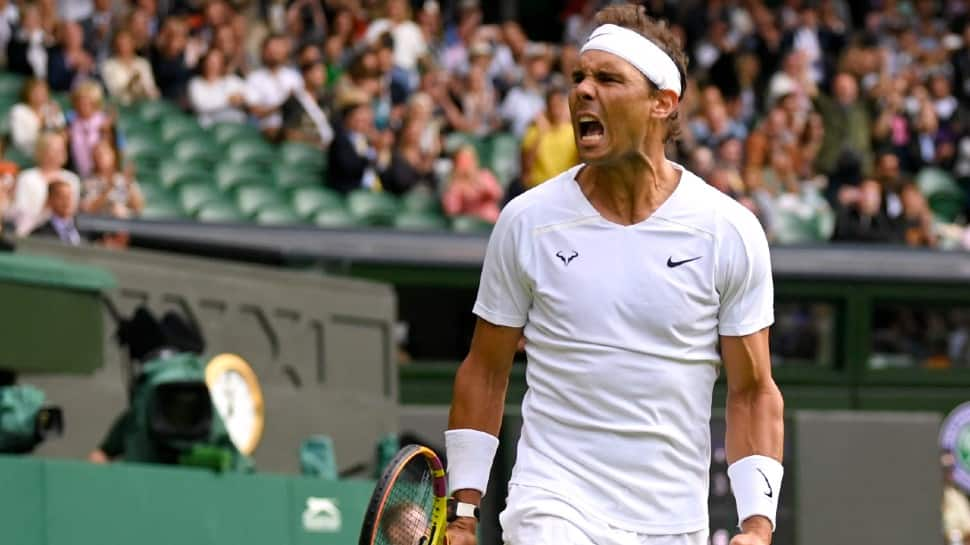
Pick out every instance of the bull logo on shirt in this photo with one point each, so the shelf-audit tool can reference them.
(565, 259)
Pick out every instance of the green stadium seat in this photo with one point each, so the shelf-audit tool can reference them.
(229, 175)
(420, 200)
(175, 128)
(196, 148)
(307, 201)
(420, 221)
(140, 131)
(251, 198)
(11, 84)
(23, 160)
(789, 227)
(153, 111)
(173, 173)
(219, 212)
(455, 140)
(193, 195)
(225, 133)
(287, 177)
(162, 210)
(154, 191)
(63, 100)
(141, 147)
(371, 208)
(502, 157)
(944, 196)
(334, 218)
(277, 214)
(304, 156)
(251, 152)
(470, 224)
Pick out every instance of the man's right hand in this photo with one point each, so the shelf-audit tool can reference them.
(461, 532)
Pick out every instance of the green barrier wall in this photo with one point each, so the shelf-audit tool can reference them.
(52, 502)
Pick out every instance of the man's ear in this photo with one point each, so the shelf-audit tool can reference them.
(665, 103)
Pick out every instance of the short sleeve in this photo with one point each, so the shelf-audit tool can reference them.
(504, 292)
(744, 279)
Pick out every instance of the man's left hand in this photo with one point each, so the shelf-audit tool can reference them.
(756, 530)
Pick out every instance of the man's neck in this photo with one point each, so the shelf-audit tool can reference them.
(630, 190)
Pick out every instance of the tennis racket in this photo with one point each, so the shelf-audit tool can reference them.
(409, 506)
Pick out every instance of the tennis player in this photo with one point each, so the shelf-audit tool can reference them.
(623, 274)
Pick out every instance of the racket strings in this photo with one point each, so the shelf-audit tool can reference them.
(408, 509)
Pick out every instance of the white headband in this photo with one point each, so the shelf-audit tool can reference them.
(637, 50)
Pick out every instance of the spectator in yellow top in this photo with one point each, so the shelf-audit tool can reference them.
(548, 147)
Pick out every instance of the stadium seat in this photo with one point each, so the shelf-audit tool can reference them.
(502, 157)
(154, 191)
(307, 201)
(420, 221)
(420, 200)
(153, 111)
(251, 198)
(229, 175)
(23, 160)
(372, 208)
(173, 173)
(196, 148)
(334, 218)
(143, 147)
(11, 84)
(789, 227)
(277, 214)
(303, 156)
(287, 177)
(251, 152)
(219, 212)
(63, 100)
(192, 196)
(162, 210)
(470, 224)
(225, 133)
(139, 130)
(175, 128)
(946, 199)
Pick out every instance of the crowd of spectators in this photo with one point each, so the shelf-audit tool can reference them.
(829, 119)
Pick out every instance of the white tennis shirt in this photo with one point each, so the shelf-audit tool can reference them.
(622, 324)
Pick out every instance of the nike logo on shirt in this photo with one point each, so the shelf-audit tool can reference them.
(671, 263)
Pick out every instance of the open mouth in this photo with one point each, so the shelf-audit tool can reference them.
(591, 130)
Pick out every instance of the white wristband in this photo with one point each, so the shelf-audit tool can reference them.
(756, 481)
(470, 454)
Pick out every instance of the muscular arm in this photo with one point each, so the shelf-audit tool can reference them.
(478, 400)
(754, 408)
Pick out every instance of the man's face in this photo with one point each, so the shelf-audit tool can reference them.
(61, 201)
(361, 119)
(610, 103)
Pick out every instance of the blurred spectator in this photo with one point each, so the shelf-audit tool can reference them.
(27, 48)
(68, 62)
(8, 180)
(358, 150)
(214, 95)
(429, 21)
(506, 68)
(127, 76)
(458, 38)
(98, 28)
(35, 114)
(955, 506)
(814, 40)
(215, 14)
(847, 125)
(410, 165)
(139, 25)
(27, 210)
(304, 119)
(472, 190)
(110, 192)
(393, 85)
(917, 219)
(225, 40)
(409, 43)
(89, 125)
(716, 126)
(268, 87)
(305, 22)
(9, 15)
(549, 146)
(861, 217)
(525, 101)
(961, 67)
(171, 66)
(61, 206)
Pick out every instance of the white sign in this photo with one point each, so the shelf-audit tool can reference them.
(321, 515)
